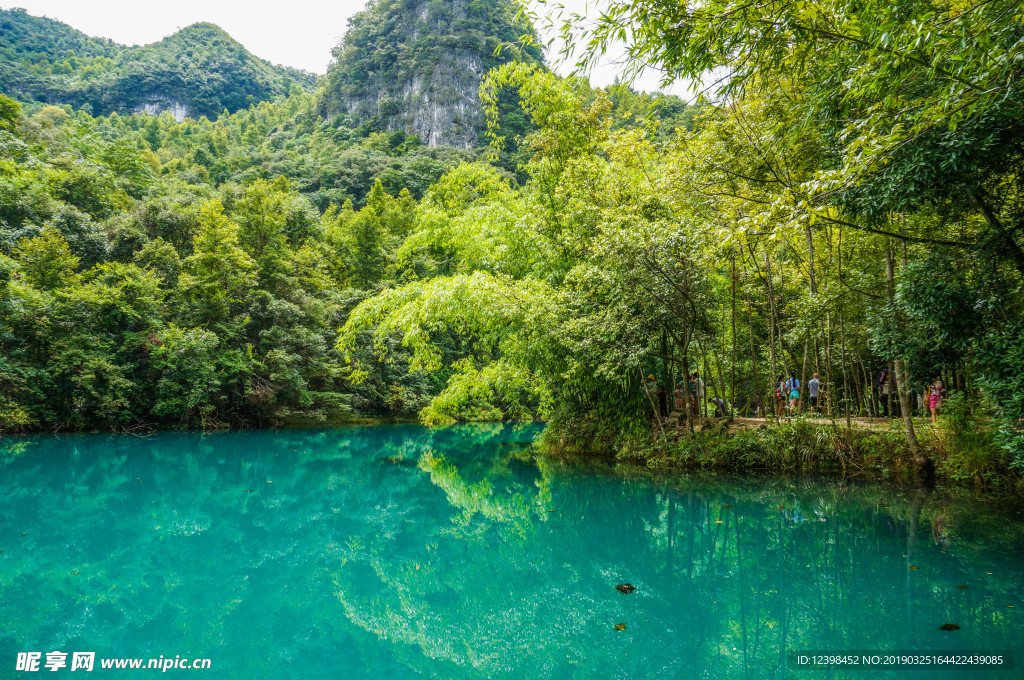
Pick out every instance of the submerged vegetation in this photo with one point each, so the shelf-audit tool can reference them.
(845, 204)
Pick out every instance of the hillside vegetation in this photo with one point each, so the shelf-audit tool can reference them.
(200, 67)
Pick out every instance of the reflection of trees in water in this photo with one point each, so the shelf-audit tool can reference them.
(503, 588)
(444, 551)
(792, 564)
(170, 544)
(515, 508)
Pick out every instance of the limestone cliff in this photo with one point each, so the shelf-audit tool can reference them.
(416, 65)
(155, 104)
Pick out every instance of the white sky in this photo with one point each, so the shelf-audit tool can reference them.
(297, 33)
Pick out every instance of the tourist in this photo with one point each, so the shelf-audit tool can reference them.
(719, 406)
(925, 390)
(885, 384)
(780, 396)
(812, 386)
(793, 390)
(662, 402)
(693, 395)
(679, 396)
(935, 399)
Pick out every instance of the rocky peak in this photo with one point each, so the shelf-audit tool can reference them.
(416, 65)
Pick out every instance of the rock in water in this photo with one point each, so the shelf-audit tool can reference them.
(620, 626)
(949, 626)
(625, 588)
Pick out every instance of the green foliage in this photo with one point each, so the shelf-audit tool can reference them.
(46, 260)
(10, 114)
(186, 361)
(794, 446)
(969, 442)
(219, 274)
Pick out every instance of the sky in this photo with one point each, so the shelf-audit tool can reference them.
(298, 33)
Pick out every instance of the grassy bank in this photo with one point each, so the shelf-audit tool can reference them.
(962, 455)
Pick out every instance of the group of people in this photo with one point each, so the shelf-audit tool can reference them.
(930, 397)
(696, 385)
(788, 389)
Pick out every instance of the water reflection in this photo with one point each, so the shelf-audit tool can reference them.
(394, 552)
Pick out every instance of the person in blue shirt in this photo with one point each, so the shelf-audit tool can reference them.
(793, 387)
(812, 386)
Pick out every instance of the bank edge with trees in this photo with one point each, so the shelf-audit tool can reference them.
(850, 201)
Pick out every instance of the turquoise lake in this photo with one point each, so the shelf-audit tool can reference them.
(401, 552)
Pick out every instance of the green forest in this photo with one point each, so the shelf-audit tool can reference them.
(843, 200)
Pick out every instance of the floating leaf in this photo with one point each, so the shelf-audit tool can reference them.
(620, 626)
(625, 588)
(726, 506)
(949, 626)
(913, 566)
(964, 587)
(74, 573)
(1011, 606)
(718, 521)
(250, 490)
(269, 482)
(24, 534)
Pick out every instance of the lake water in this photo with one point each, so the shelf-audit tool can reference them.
(400, 552)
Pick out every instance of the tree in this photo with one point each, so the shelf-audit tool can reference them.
(217, 277)
(46, 260)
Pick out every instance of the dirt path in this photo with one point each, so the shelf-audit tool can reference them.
(743, 423)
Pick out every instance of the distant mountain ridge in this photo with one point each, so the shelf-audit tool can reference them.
(198, 71)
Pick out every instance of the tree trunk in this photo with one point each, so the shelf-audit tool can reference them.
(654, 404)
(687, 397)
(753, 357)
(842, 339)
(803, 377)
(732, 379)
(925, 467)
(771, 334)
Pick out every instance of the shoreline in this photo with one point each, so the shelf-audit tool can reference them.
(873, 449)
